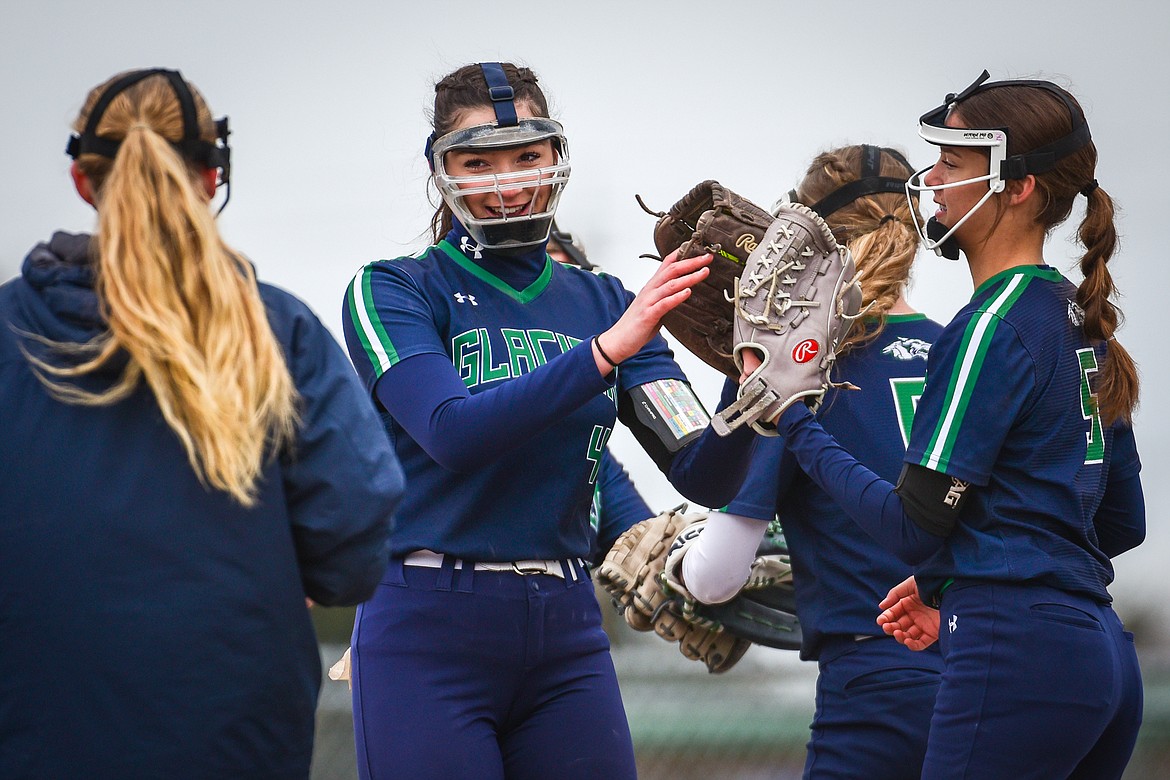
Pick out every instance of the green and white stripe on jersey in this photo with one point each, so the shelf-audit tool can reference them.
(375, 341)
(968, 363)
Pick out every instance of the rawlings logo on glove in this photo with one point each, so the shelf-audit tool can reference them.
(794, 303)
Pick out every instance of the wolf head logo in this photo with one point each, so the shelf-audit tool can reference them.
(908, 349)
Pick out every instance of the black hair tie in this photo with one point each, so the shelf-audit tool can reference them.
(1087, 190)
(887, 218)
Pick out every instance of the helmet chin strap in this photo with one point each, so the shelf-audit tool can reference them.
(944, 244)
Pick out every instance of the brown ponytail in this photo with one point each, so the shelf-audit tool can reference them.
(1035, 117)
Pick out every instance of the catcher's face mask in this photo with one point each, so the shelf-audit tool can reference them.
(933, 128)
(526, 227)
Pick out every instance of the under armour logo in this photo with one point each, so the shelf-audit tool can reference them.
(955, 493)
(461, 298)
(953, 623)
(469, 247)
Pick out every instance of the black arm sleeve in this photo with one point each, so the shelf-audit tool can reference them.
(931, 499)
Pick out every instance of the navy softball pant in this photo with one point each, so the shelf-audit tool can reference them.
(1039, 683)
(873, 708)
(490, 675)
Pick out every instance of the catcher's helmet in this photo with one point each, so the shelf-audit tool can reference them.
(212, 154)
(508, 231)
(1000, 168)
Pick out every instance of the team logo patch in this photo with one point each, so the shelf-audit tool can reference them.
(1076, 315)
(805, 351)
(908, 349)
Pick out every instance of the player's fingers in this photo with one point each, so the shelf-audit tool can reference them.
(666, 285)
(672, 266)
(688, 277)
(894, 617)
(905, 588)
(660, 309)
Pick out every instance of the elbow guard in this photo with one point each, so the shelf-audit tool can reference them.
(932, 499)
(664, 416)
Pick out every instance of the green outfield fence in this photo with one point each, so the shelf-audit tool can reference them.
(749, 723)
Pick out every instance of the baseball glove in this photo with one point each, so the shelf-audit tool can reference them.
(709, 218)
(632, 569)
(649, 594)
(794, 303)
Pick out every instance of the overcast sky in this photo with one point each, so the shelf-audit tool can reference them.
(328, 106)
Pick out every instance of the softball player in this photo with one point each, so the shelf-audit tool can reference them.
(874, 697)
(1021, 479)
(186, 456)
(482, 653)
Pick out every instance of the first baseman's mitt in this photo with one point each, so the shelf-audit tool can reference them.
(641, 574)
(794, 303)
(709, 218)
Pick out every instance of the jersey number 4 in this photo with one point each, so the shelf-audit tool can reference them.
(597, 441)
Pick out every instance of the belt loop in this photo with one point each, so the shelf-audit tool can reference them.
(394, 573)
(466, 578)
(446, 571)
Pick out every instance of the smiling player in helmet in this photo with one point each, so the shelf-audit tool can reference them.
(501, 374)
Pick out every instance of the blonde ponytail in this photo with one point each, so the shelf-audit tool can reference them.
(182, 306)
(878, 228)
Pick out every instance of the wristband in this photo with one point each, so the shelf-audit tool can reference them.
(600, 351)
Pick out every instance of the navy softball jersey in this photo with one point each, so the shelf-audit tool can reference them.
(874, 697)
(839, 571)
(483, 367)
(617, 505)
(1041, 678)
(520, 481)
(1009, 409)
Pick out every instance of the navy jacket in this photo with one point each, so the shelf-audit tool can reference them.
(150, 626)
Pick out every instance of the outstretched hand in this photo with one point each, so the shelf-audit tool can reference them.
(907, 618)
(669, 286)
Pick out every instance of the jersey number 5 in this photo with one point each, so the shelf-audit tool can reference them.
(1095, 441)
